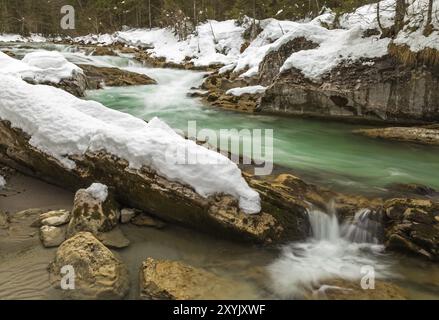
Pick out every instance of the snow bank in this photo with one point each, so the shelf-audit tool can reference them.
(335, 47)
(216, 42)
(39, 67)
(412, 35)
(246, 90)
(98, 191)
(366, 16)
(61, 125)
(252, 57)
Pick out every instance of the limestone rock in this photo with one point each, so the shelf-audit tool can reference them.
(92, 213)
(412, 226)
(99, 274)
(381, 89)
(113, 77)
(171, 280)
(420, 135)
(53, 218)
(52, 236)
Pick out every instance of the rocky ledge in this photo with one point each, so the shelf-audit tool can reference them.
(113, 77)
(421, 135)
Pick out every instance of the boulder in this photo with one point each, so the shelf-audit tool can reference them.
(103, 51)
(52, 236)
(172, 280)
(94, 210)
(113, 77)
(76, 85)
(99, 274)
(412, 226)
(53, 218)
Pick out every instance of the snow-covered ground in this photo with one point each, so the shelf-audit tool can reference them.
(217, 42)
(62, 125)
(39, 67)
(412, 35)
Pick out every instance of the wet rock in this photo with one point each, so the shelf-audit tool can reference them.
(412, 188)
(113, 77)
(93, 213)
(339, 289)
(53, 218)
(103, 51)
(99, 274)
(143, 220)
(127, 214)
(171, 280)
(114, 239)
(412, 226)
(418, 135)
(52, 236)
(76, 85)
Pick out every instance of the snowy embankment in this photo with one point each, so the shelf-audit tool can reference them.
(39, 67)
(62, 125)
(5, 37)
(217, 42)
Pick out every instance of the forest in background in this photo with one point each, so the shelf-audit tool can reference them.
(103, 16)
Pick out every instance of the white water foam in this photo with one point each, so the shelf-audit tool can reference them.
(335, 251)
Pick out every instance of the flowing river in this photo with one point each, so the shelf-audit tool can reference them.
(324, 152)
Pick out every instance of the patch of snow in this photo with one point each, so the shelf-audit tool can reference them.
(39, 67)
(246, 90)
(98, 191)
(366, 16)
(62, 125)
(215, 42)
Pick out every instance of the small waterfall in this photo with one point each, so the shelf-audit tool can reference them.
(334, 251)
(327, 227)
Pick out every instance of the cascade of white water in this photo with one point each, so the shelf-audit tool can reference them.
(334, 251)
